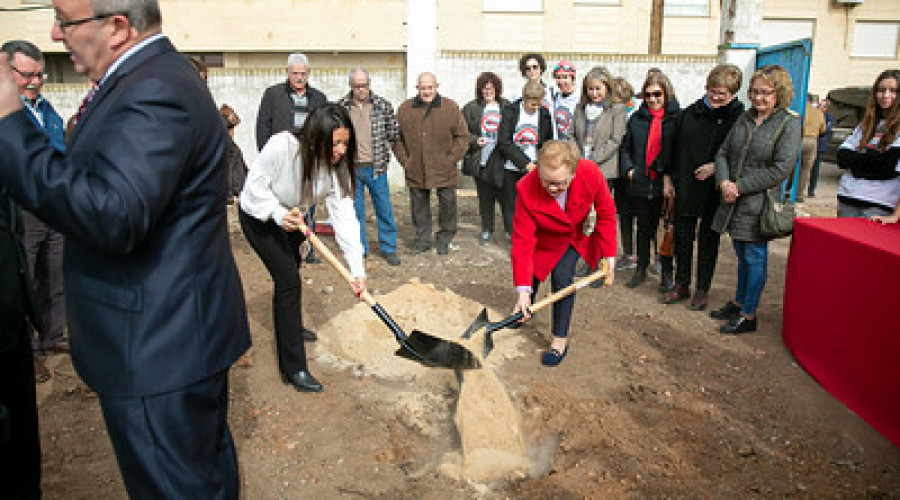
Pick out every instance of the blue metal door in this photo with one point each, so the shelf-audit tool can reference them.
(795, 57)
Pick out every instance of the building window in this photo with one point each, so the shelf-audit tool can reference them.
(875, 39)
(514, 5)
(777, 31)
(686, 8)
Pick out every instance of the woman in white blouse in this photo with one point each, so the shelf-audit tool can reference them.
(292, 172)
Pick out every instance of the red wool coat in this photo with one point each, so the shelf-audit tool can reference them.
(542, 231)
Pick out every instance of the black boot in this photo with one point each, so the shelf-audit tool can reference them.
(665, 280)
(640, 274)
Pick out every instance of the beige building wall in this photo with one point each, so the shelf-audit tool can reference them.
(572, 27)
(833, 66)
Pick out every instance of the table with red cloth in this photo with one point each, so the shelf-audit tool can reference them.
(842, 313)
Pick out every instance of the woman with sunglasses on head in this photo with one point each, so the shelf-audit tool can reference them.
(553, 202)
(293, 171)
(870, 156)
(759, 153)
(646, 149)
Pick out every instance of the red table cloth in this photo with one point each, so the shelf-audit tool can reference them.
(842, 314)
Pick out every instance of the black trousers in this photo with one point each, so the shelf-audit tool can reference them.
(626, 214)
(20, 447)
(279, 251)
(686, 230)
(561, 276)
(44, 250)
(489, 196)
(420, 205)
(176, 444)
(647, 211)
(508, 204)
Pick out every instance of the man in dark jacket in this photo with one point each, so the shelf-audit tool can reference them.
(286, 105)
(690, 178)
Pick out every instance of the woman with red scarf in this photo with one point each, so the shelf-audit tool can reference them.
(646, 148)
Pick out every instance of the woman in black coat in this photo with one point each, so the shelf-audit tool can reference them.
(482, 116)
(690, 178)
(518, 142)
(646, 148)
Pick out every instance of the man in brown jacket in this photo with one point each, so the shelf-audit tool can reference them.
(433, 138)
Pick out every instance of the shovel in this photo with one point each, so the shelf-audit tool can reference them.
(481, 321)
(420, 346)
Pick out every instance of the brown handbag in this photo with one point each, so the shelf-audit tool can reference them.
(667, 243)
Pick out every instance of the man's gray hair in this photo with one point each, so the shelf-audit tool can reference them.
(143, 14)
(358, 69)
(297, 58)
(26, 48)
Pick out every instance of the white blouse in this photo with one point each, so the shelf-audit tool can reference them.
(272, 189)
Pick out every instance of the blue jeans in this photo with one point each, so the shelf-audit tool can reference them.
(381, 200)
(753, 269)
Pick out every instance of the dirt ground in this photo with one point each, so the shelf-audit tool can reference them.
(651, 400)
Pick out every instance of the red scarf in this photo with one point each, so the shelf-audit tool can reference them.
(654, 141)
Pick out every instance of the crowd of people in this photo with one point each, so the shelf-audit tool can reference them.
(140, 180)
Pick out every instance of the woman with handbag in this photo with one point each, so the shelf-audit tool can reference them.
(482, 116)
(690, 180)
(646, 148)
(758, 154)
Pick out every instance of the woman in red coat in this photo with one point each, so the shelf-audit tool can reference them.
(551, 229)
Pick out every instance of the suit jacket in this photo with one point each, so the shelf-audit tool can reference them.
(433, 138)
(542, 231)
(276, 110)
(16, 291)
(154, 298)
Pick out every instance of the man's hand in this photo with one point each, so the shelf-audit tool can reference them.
(9, 91)
(730, 192)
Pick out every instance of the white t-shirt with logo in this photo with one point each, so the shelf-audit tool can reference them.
(490, 124)
(564, 115)
(525, 136)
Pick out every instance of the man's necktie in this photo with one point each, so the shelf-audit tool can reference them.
(84, 103)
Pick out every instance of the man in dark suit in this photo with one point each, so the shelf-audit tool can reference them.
(20, 450)
(155, 302)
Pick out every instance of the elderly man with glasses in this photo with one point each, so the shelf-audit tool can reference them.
(43, 245)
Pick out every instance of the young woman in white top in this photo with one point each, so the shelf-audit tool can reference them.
(293, 171)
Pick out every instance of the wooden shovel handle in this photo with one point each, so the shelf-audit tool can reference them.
(335, 263)
(583, 282)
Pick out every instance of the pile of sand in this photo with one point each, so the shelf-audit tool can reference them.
(489, 425)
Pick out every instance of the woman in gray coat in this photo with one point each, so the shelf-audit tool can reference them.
(758, 154)
(600, 124)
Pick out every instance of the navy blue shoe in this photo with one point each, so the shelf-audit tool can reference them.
(552, 357)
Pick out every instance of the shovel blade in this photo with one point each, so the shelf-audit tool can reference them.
(437, 352)
(480, 321)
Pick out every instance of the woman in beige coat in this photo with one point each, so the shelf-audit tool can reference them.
(600, 123)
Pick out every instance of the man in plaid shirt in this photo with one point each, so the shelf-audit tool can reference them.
(375, 127)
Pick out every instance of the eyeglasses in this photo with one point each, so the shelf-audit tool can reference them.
(762, 92)
(29, 76)
(359, 86)
(656, 93)
(62, 25)
(532, 66)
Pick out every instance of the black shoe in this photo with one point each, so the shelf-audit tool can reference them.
(640, 275)
(421, 247)
(391, 258)
(312, 259)
(729, 311)
(443, 248)
(309, 335)
(738, 325)
(485, 237)
(303, 381)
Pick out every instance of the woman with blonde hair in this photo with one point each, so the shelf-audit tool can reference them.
(759, 153)
(871, 154)
(600, 123)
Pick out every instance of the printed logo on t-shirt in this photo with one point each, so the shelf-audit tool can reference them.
(526, 138)
(563, 121)
(490, 123)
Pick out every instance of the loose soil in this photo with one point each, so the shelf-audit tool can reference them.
(651, 400)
